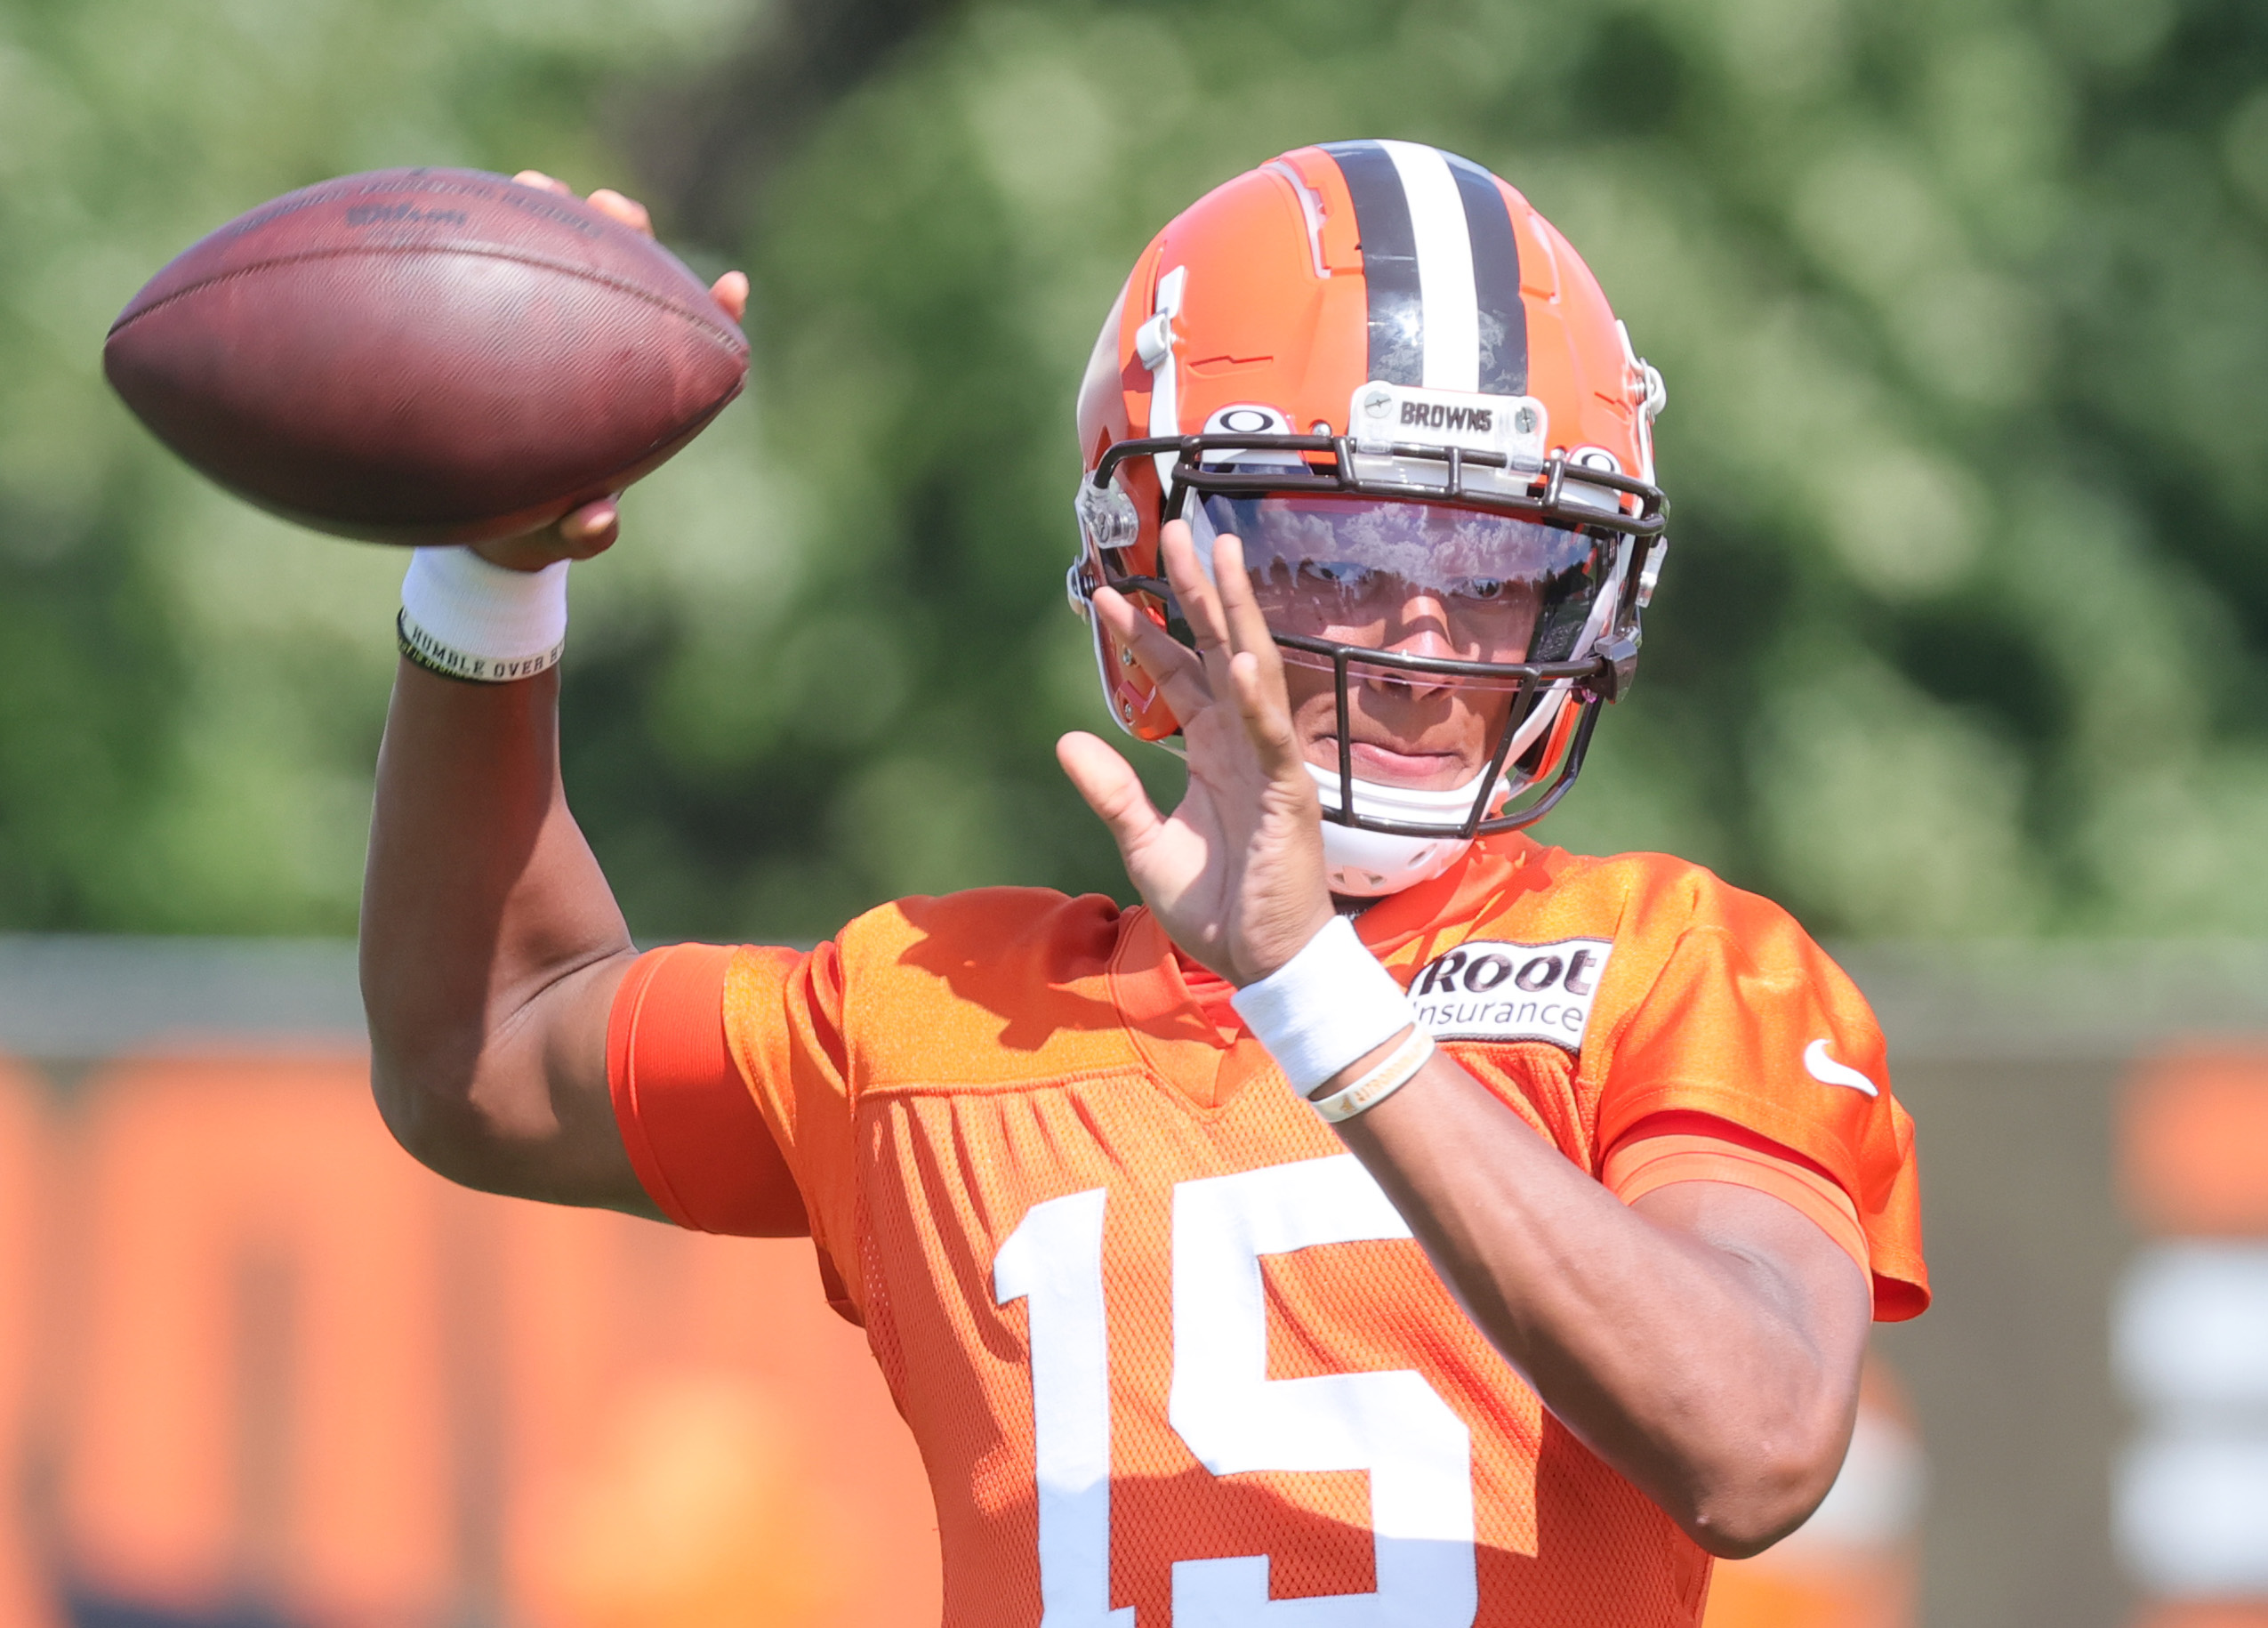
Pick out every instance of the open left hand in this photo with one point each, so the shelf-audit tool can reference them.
(591, 529)
(1235, 873)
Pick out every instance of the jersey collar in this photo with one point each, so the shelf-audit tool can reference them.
(1439, 912)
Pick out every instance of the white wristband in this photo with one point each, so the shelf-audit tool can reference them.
(469, 619)
(1325, 1007)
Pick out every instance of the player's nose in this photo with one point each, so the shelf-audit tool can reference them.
(1420, 627)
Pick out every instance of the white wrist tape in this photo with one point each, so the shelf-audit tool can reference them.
(469, 619)
(1325, 1007)
(1400, 1068)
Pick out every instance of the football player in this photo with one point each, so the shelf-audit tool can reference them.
(1393, 1220)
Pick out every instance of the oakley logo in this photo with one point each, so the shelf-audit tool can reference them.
(1439, 416)
(1827, 1071)
(1492, 990)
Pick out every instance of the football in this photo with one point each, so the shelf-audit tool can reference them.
(425, 356)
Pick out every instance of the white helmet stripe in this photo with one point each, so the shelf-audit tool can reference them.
(1444, 253)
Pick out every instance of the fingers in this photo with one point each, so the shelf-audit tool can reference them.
(629, 211)
(1261, 702)
(606, 200)
(578, 535)
(592, 529)
(1257, 667)
(730, 291)
(1248, 628)
(1175, 670)
(1233, 635)
(1237, 655)
(1110, 786)
(1199, 608)
(531, 552)
(1222, 613)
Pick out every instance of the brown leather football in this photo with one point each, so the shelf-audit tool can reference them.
(425, 356)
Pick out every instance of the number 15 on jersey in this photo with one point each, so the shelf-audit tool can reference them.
(1230, 1414)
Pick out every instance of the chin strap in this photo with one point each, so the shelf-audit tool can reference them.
(1372, 864)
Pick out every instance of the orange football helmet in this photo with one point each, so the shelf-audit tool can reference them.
(1381, 369)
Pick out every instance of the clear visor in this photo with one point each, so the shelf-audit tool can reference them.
(1431, 578)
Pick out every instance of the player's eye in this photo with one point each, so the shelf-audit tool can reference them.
(1481, 590)
(1344, 575)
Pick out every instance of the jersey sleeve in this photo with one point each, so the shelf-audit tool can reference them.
(1750, 1023)
(717, 1146)
(1666, 1148)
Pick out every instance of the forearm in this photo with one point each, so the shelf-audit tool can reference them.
(481, 899)
(1695, 1371)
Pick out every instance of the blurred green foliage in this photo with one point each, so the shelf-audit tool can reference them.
(190, 693)
(1963, 309)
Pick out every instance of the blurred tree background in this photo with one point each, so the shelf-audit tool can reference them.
(1963, 306)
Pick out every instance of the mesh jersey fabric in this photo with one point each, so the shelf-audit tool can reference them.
(1657, 1152)
(948, 1074)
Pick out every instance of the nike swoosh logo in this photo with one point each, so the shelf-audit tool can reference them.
(1827, 1071)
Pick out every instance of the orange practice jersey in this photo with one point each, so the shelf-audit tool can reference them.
(1172, 1358)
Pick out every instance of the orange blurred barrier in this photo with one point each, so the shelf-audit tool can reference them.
(26, 1590)
(258, 1408)
(2193, 1143)
(301, 1376)
(695, 1439)
(1856, 1563)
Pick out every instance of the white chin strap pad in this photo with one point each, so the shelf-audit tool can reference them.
(1371, 864)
